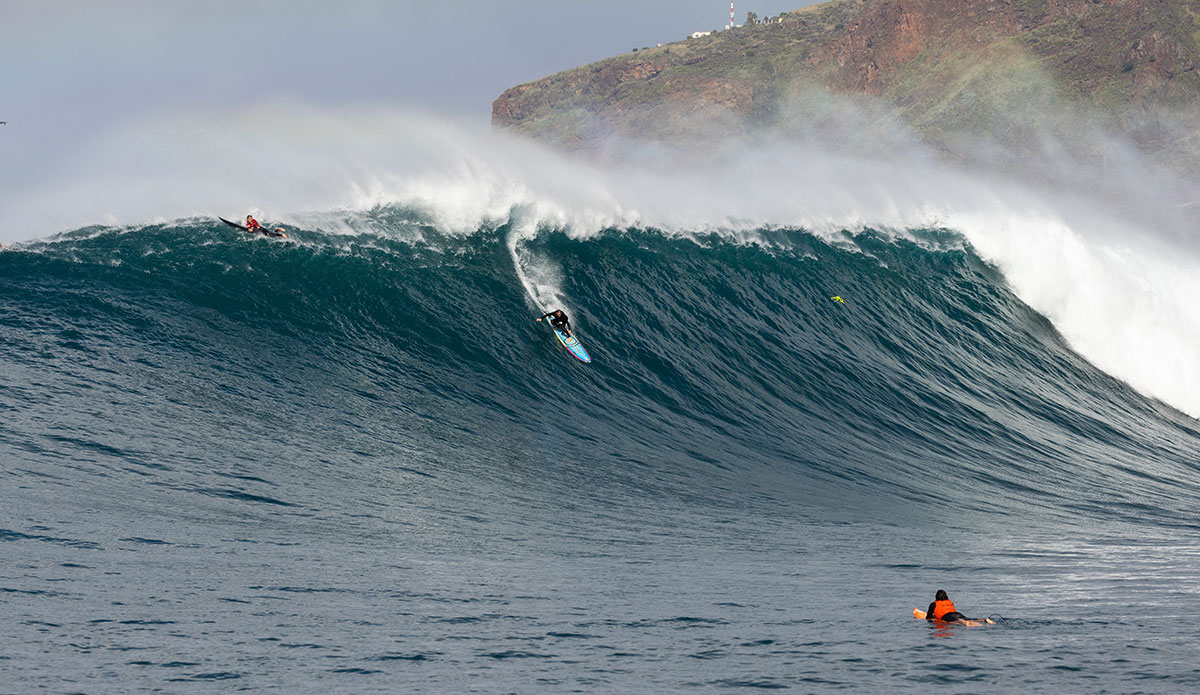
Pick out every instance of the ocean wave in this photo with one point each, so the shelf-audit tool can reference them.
(721, 361)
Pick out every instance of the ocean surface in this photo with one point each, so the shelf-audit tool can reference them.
(354, 463)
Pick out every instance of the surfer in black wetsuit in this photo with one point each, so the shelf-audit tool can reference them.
(558, 319)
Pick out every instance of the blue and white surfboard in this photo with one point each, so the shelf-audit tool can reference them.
(573, 346)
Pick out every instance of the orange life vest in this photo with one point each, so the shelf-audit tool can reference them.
(941, 608)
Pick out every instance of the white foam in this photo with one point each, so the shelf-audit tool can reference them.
(1127, 307)
(1118, 281)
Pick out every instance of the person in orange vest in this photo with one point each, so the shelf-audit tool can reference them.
(942, 609)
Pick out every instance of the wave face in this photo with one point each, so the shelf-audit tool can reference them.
(723, 374)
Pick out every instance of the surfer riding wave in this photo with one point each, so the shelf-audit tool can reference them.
(558, 319)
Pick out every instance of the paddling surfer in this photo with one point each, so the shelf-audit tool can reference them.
(253, 226)
(942, 610)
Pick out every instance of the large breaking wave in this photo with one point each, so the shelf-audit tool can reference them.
(724, 373)
(1031, 346)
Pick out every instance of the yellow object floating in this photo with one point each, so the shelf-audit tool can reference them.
(837, 299)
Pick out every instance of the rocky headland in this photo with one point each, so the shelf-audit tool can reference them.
(1007, 70)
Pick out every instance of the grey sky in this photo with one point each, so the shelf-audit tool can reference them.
(84, 63)
(71, 72)
(458, 55)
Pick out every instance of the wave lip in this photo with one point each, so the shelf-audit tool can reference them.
(718, 364)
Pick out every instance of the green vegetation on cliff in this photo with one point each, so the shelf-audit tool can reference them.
(944, 67)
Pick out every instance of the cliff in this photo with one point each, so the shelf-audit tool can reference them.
(942, 67)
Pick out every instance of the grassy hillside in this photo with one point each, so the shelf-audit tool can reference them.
(944, 67)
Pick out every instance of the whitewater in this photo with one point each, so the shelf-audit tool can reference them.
(352, 462)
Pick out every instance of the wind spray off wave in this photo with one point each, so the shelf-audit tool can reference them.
(1109, 276)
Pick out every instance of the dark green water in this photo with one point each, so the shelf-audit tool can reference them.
(356, 464)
